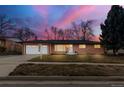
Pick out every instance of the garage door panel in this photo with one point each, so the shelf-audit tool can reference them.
(32, 49)
(44, 49)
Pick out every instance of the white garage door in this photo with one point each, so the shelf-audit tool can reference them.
(44, 49)
(32, 49)
(36, 49)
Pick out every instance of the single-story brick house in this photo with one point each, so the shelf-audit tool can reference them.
(10, 44)
(62, 47)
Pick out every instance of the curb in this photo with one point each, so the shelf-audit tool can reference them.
(62, 78)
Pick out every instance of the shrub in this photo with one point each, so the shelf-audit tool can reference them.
(2, 49)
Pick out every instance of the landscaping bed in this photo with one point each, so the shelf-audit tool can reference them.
(67, 70)
(79, 58)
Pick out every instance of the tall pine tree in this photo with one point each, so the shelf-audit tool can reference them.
(112, 36)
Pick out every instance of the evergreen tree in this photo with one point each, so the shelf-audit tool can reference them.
(112, 36)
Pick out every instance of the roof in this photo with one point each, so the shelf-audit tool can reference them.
(9, 38)
(62, 42)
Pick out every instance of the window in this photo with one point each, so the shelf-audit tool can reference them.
(60, 48)
(97, 46)
(82, 46)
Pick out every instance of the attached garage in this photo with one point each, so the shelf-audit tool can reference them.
(36, 49)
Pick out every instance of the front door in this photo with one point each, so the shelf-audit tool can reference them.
(70, 49)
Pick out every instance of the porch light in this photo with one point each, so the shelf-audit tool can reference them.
(97, 46)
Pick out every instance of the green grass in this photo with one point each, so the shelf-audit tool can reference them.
(79, 58)
(67, 70)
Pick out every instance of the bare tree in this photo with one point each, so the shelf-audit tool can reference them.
(54, 31)
(73, 33)
(76, 31)
(24, 29)
(6, 25)
(47, 34)
(25, 34)
(61, 34)
(69, 34)
(86, 29)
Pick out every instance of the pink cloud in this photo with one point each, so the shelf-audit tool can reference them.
(95, 38)
(73, 14)
(43, 11)
(84, 12)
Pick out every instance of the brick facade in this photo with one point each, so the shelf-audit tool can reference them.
(88, 50)
(11, 46)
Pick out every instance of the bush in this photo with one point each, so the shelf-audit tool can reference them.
(11, 53)
(2, 49)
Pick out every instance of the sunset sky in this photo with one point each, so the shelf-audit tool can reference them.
(57, 15)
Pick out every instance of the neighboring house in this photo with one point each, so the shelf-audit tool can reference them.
(2, 42)
(10, 44)
(62, 47)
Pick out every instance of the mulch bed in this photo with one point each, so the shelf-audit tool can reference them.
(67, 70)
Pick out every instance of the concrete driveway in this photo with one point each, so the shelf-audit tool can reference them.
(15, 58)
(9, 63)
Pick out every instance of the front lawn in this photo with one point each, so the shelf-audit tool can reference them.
(79, 58)
(67, 70)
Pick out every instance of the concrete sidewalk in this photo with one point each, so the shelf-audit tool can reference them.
(72, 81)
(63, 81)
(61, 84)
